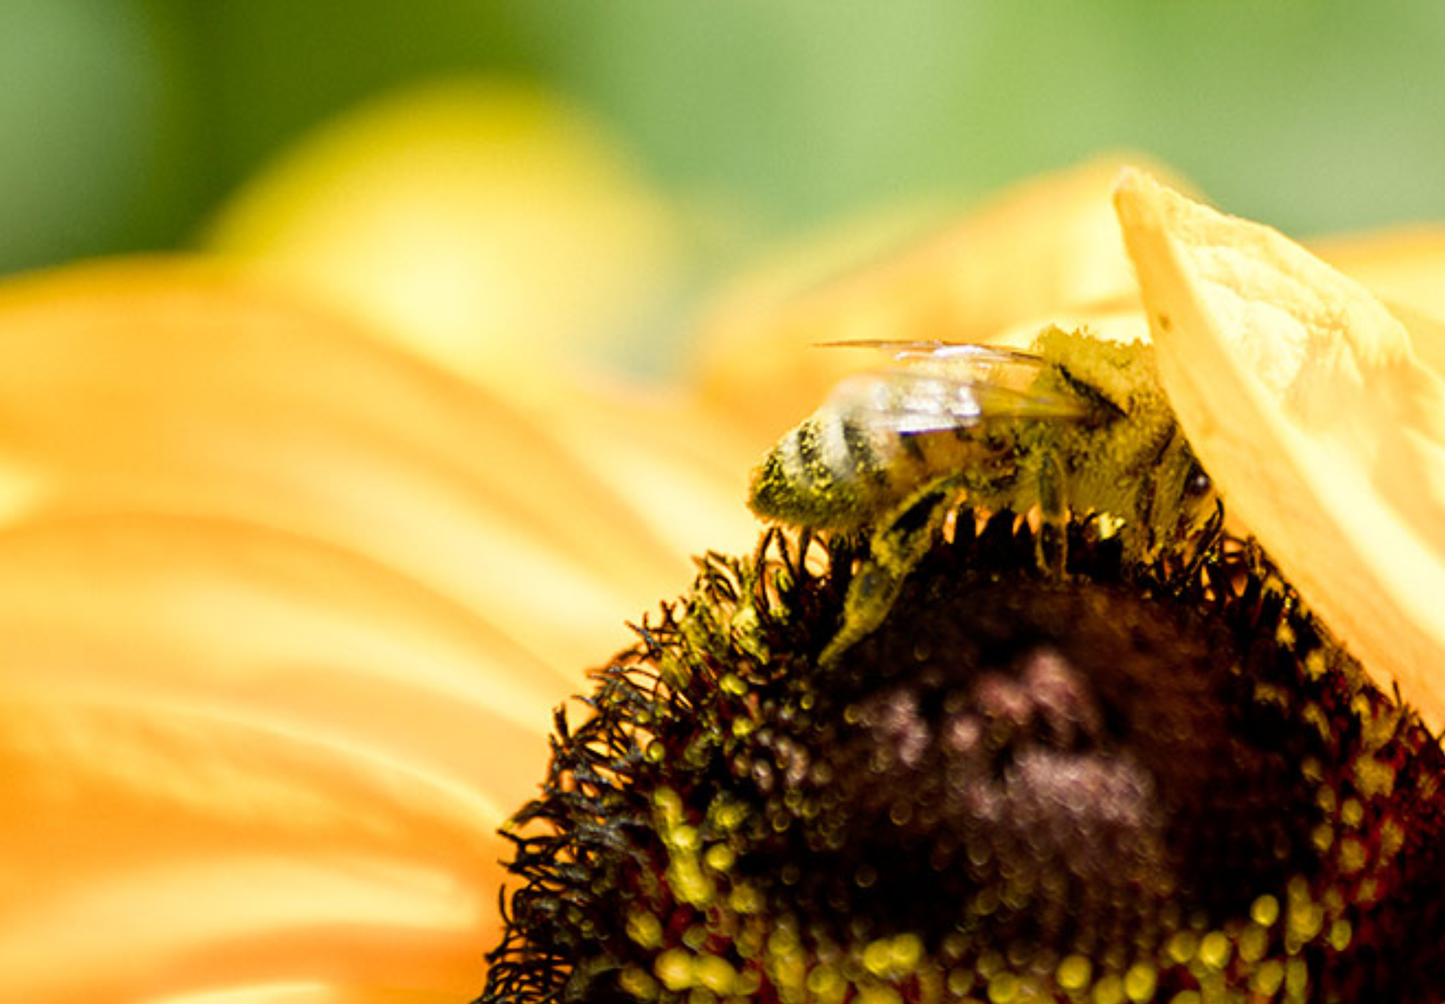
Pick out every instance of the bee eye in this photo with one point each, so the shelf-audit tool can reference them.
(1198, 485)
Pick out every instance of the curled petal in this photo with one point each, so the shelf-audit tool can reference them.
(1308, 404)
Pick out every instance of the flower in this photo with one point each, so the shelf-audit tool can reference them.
(288, 602)
(922, 767)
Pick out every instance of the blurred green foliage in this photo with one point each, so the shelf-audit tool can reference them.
(125, 122)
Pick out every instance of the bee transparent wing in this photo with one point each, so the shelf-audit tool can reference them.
(937, 387)
(932, 351)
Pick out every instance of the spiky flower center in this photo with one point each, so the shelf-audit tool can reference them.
(1131, 784)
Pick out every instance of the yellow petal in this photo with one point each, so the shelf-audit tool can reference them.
(472, 220)
(1305, 400)
(185, 387)
(234, 756)
(1047, 247)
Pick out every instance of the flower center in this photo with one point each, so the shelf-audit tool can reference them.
(1065, 763)
(1127, 784)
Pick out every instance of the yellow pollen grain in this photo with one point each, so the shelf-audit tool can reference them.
(645, 929)
(876, 957)
(1316, 716)
(638, 984)
(731, 683)
(1253, 943)
(1140, 982)
(719, 857)
(668, 805)
(1264, 911)
(1353, 855)
(715, 973)
(825, 983)
(1296, 979)
(1183, 946)
(1108, 989)
(727, 814)
(1392, 838)
(1312, 770)
(1267, 979)
(878, 995)
(1373, 778)
(746, 899)
(989, 964)
(906, 951)
(1004, 988)
(686, 879)
(1214, 950)
(959, 982)
(1306, 919)
(673, 969)
(1074, 973)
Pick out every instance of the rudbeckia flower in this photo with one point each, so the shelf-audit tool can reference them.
(289, 602)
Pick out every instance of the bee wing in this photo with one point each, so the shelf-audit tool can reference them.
(909, 401)
(934, 350)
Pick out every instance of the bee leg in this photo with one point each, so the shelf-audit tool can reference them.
(1051, 545)
(898, 543)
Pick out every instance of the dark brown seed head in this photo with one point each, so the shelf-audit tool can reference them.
(1130, 785)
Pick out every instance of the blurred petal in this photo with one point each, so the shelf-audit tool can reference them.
(185, 388)
(472, 220)
(678, 463)
(1306, 402)
(1401, 266)
(1047, 247)
(233, 755)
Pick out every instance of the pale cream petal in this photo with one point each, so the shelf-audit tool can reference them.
(1049, 246)
(184, 387)
(1306, 402)
(234, 756)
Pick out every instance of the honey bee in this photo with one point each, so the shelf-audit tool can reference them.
(1073, 427)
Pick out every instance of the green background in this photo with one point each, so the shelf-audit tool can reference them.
(123, 123)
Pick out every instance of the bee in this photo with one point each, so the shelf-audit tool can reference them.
(1073, 427)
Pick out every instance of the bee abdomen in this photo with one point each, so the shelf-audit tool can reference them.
(830, 472)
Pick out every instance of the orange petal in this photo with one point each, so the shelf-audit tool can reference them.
(1048, 247)
(677, 462)
(184, 387)
(234, 756)
(1306, 402)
